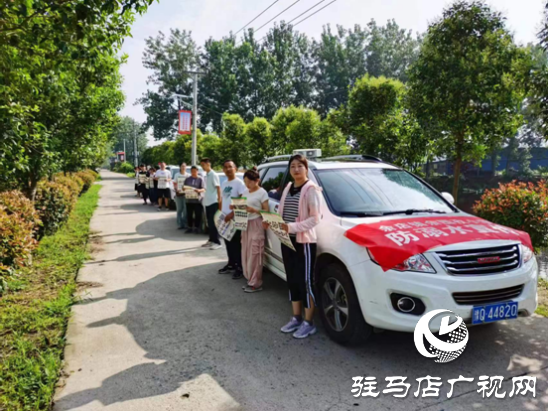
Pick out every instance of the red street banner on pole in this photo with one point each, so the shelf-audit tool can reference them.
(391, 242)
(185, 122)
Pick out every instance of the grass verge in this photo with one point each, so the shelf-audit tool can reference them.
(542, 308)
(35, 311)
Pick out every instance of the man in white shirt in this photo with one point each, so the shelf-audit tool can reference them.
(163, 177)
(212, 203)
(233, 187)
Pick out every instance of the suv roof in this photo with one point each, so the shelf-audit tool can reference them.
(326, 165)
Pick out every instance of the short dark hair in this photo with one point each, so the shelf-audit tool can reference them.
(205, 160)
(142, 165)
(194, 168)
(300, 158)
(252, 174)
(230, 161)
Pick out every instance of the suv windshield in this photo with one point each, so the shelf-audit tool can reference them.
(371, 191)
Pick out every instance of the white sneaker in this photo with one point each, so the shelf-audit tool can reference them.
(208, 244)
(215, 246)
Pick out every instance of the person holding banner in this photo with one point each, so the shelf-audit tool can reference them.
(193, 189)
(136, 171)
(163, 177)
(300, 209)
(232, 187)
(212, 203)
(153, 185)
(143, 175)
(179, 183)
(253, 238)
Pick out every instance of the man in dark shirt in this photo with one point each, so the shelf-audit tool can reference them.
(194, 206)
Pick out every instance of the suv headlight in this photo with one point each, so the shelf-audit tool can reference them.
(416, 263)
(526, 253)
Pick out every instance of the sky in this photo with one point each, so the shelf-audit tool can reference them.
(217, 18)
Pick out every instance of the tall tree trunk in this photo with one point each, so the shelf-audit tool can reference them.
(510, 154)
(457, 167)
(494, 162)
(428, 168)
(31, 187)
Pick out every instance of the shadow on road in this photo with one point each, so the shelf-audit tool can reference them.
(142, 256)
(197, 322)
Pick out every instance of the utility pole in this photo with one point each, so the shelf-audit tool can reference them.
(194, 115)
(125, 156)
(135, 154)
(195, 75)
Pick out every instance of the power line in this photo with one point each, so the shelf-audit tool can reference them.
(317, 4)
(306, 18)
(256, 17)
(316, 12)
(276, 16)
(210, 109)
(202, 106)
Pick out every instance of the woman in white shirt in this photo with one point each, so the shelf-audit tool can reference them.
(253, 239)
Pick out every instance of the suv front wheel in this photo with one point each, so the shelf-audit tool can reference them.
(339, 306)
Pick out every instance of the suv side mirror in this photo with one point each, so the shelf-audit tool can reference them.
(448, 197)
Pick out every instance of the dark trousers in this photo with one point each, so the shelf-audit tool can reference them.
(299, 269)
(234, 251)
(144, 191)
(210, 213)
(194, 215)
(152, 195)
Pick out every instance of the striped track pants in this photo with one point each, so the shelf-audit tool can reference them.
(299, 268)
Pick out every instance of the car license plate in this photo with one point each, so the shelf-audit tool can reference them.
(494, 312)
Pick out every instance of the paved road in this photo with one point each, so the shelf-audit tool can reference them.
(159, 329)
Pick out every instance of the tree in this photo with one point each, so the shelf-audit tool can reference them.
(258, 136)
(169, 59)
(344, 56)
(219, 86)
(125, 130)
(340, 61)
(378, 123)
(233, 142)
(61, 86)
(160, 153)
(291, 62)
(539, 80)
(254, 79)
(462, 83)
(210, 147)
(390, 50)
(298, 127)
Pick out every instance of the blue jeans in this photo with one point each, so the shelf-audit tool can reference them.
(181, 212)
(152, 195)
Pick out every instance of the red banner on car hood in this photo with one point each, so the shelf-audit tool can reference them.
(391, 242)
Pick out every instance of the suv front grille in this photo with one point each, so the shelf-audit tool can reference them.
(481, 261)
(488, 297)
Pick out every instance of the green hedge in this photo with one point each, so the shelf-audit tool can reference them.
(18, 224)
(124, 167)
(34, 314)
(23, 222)
(523, 206)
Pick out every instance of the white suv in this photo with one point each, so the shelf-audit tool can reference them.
(354, 294)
